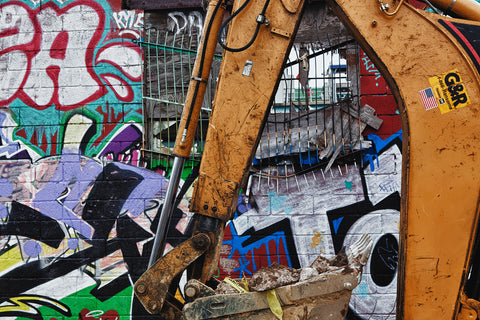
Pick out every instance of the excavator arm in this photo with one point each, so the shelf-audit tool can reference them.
(416, 52)
(260, 35)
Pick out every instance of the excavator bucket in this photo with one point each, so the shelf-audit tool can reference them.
(323, 296)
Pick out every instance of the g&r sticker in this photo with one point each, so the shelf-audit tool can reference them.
(449, 91)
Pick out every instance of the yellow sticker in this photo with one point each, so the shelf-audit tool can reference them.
(449, 91)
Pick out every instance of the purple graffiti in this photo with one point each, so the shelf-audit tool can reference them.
(49, 199)
(71, 183)
(6, 189)
(32, 248)
(72, 243)
(122, 141)
(148, 187)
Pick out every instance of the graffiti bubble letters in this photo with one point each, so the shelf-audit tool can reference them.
(55, 60)
(15, 29)
(48, 53)
(60, 51)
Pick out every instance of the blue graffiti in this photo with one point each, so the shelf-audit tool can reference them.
(246, 253)
(336, 224)
(362, 290)
(277, 202)
(371, 154)
(348, 185)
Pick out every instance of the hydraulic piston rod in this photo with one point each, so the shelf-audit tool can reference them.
(190, 115)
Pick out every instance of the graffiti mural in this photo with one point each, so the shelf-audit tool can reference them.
(76, 205)
(70, 213)
(291, 219)
(61, 59)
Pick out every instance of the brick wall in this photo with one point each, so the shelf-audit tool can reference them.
(73, 188)
(376, 93)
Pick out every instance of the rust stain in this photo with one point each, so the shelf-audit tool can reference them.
(317, 238)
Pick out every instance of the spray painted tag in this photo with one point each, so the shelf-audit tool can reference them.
(449, 90)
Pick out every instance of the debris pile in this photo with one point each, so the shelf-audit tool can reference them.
(319, 291)
(276, 275)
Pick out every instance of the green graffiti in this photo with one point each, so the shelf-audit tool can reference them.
(348, 185)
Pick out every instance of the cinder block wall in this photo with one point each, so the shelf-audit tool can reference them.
(74, 196)
(77, 204)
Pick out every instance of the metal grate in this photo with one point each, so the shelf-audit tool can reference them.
(169, 60)
(315, 116)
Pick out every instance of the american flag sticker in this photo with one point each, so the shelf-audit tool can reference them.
(428, 98)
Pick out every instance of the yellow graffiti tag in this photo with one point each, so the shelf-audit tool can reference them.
(316, 240)
(21, 307)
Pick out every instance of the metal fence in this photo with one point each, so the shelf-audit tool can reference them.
(169, 60)
(315, 116)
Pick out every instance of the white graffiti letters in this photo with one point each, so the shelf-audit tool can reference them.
(186, 24)
(129, 21)
(50, 51)
(62, 61)
(15, 29)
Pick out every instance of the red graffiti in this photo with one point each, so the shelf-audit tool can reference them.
(262, 254)
(48, 55)
(86, 314)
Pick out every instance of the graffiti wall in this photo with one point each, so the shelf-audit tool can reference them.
(70, 78)
(310, 212)
(293, 220)
(76, 204)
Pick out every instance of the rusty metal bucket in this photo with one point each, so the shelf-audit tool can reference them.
(323, 297)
